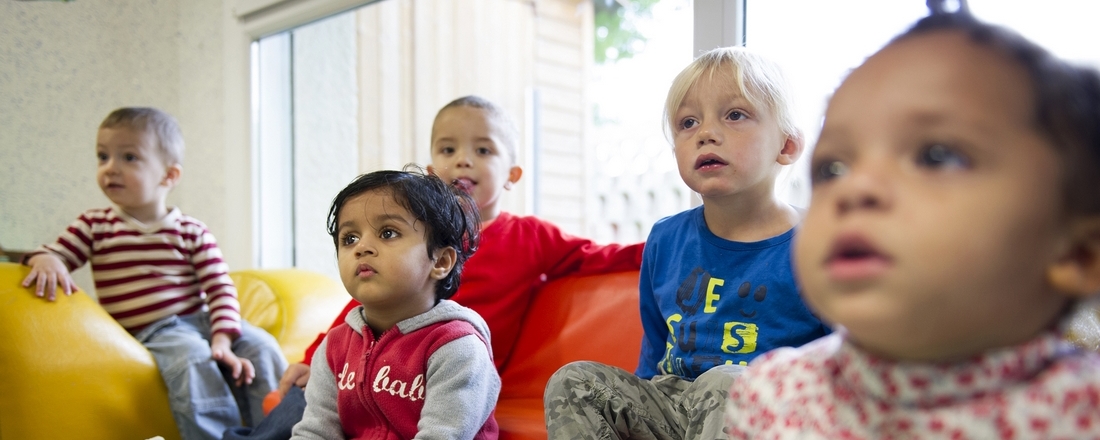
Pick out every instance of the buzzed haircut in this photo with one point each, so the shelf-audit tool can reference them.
(164, 127)
(496, 114)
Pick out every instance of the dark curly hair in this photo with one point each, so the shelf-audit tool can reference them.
(1066, 97)
(450, 215)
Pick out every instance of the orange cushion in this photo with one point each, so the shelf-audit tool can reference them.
(575, 318)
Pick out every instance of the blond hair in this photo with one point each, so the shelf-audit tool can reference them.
(758, 79)
(164, 127)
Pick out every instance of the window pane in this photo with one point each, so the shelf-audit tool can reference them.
(634, 179)
(818, 43)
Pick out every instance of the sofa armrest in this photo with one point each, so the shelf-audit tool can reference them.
(294, 305)
(68, 370)
(594, 317)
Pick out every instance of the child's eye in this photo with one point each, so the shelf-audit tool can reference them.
(130, 157)
(101, 156)
(484, 151)
(688, 123)
(388, 234)
(942, 156)
(447, 151)
(735, 115)
(348, 239)
(826, 170)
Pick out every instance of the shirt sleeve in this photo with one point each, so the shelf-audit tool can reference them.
(654, 329)
(571, 255)
(213, 278)
(74, 246)
(459, 371)
(321, 419)
(321, 336)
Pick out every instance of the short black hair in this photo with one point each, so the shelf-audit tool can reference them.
(450, 216)
(1067, 98)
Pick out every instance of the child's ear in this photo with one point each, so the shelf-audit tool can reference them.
(431, 170)
(792, 149)
(172, 175)
(514, 174)
(1077, 271)
(444, 262)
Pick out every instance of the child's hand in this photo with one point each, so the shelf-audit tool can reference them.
(241, 368)
(296, 375)
(47, 271)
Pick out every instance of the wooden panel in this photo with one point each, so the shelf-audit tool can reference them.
(559, 31)
(556, 75)
(563, 10)
(555, 142)
(558, 53)
(420, 54)
(559, 98)
(560, 122)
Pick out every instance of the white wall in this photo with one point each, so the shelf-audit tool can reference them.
(64, 66)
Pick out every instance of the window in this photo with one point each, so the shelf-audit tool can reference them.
(357, 92)
(818, 43)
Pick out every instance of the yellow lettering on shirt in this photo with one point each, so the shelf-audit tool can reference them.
(739, 337)
(667, 367)
(711, 296)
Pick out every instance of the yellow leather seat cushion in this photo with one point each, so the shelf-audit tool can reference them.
(68, 370)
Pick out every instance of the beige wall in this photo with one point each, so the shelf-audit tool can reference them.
(64, 66)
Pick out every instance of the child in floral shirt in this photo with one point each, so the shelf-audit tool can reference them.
(953, 228)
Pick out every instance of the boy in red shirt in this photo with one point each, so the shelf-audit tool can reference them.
(474, 148)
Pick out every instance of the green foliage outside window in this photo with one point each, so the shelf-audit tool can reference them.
(616, 36)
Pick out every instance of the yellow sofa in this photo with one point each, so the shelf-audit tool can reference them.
(67, 370)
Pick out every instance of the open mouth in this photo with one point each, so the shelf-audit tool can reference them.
(709, 161)
(854, 257)
(465, 184)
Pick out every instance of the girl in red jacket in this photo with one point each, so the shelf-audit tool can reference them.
(407, 362)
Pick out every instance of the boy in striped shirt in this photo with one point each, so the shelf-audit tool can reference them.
(160, 274)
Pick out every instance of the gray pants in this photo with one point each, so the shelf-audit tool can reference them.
(589, 400)
(204, 401)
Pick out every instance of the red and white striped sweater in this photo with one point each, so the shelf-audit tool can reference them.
(147, 272)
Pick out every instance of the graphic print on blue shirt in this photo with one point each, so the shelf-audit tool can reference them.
(707, 301)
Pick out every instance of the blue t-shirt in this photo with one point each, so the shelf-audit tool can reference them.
(708, 301)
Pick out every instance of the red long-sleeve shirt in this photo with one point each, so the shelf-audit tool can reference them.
(516, 256)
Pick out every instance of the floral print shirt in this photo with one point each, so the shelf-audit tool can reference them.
(831, 389)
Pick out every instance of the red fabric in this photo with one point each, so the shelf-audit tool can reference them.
(382, 383)
(335, 323)
(517, 255)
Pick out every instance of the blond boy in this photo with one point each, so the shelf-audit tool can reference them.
(716, 286)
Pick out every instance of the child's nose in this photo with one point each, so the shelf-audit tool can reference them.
(707, 134)
(463, 160)
(363, 247)
(864, 188)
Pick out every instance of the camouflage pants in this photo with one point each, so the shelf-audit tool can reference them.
(589, 400)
